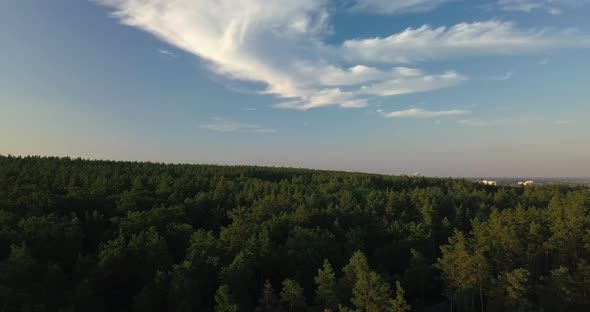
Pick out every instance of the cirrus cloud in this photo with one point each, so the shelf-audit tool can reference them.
(225, 125)
(553, 7)
(282, 45)
(421, 113)
(427, 43)
(397, 7)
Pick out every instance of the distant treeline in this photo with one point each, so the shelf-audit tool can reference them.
(79, 235)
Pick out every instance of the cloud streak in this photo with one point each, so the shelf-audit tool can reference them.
(397, 7)
(166, 52)
(281, 45)
(226, 126)
(421, 113)
(554, 7)
(427, 43)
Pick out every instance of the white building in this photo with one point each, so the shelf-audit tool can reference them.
(526, 183)
(487, 182)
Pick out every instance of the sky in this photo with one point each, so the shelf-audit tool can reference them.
(461, 88)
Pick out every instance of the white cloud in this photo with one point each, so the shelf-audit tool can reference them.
(281, 45)
(421, 113)
(166, 52)
(397, 6)
(325, 97)
(224, 125)
(466, 39)
(554, 7)
(415, 84)
(400, 81)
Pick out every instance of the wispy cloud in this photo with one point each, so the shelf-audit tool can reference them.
(281, 44)
(397, 6)
(421, 113)
(407, 85)
(396, 85)
(462, 40)
(554, 7)
(523, 121)
(166, 52)
(224, 125)
(247, 108)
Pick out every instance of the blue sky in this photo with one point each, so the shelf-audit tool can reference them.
(439, 87)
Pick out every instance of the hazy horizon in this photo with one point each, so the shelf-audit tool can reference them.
(584, 178)
(446, 88)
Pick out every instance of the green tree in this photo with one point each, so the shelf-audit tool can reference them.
(223, 301)
(480, 272)
(268, 301)
(356, 266)
(326, 286)
(17, 278)
(239, 275)
(292, 295)
(453, 264)
(418, 276)
(563, 283)
(515, 286)
(399, 303)
(583, 280)
(370, 293)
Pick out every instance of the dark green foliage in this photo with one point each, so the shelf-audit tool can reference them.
(268, 301)
(79, 235)
(223, 300)
(292, 296)
(326, 295)
(399, 303)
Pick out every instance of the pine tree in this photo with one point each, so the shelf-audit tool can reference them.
(268, 301)
(358, 263)
(417, 275)
(583, 279)
(481, 274)
(326, 291)
(292, 295)
(455, 265)
(515, 287)
(223, 302)
(399, 303)
(370, 293)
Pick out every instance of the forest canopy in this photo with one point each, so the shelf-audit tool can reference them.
(81, 235)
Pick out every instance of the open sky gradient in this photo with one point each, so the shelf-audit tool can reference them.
(439, 87)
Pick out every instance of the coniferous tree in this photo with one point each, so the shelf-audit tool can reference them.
(292, 295)
(128, 236)
(370, 293)
(326, 295)
(399, 303)
(515, 287)
(268, 301)
(356, 266)
(223, 301)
